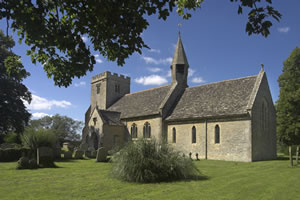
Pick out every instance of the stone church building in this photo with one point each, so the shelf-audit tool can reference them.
(227, 120)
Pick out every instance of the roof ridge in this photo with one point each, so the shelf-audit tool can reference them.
(223, 81)
(147, 90)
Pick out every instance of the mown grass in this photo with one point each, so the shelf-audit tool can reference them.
(86, 179)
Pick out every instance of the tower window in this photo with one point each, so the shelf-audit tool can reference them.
(174, 135)
(217, 134)
(194, 134)
(95, 121)
(147, 130)
(98, 88)
(133, 131)
(117, 88)
(180, 68)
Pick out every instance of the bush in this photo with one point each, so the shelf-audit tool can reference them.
(12, 154)
(12, 137)
(25, 163)
(38, 138)
(147, 161)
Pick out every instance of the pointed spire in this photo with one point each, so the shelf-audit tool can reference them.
(262, 68)
(179, 55)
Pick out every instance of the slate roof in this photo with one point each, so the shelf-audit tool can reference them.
(223, 98)
(141, 103)
(110, 117)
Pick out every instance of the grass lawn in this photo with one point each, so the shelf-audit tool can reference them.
(86, 179)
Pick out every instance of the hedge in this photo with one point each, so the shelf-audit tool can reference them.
(12, 154)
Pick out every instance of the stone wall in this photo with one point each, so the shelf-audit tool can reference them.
(263, 137)
(155, 123)
(235, 139)
(113, 136)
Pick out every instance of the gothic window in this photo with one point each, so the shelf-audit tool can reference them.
(193, 134)
(264, 116)
(133, 131)
(217, 134)
(95, 121)
(174, 135)
(180, 68)
(147, 130)
(98, 88)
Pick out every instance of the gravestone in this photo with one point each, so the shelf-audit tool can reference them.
(93, 154)
(57, 153)
(101, 154)
(83, 146)
(68, 154)
(91, 149)
(88, 154)
(78, 154)
(45, 156)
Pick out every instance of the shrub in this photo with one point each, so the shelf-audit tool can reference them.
(38, 138)
(148, 161)
(12, 137)
(12, 154)
(25, 163)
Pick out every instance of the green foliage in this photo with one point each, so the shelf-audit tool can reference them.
(12, 154)
(65, 128)
(25, 163)
(12, 137)
(54, 29)
(147, 161)
(288, 104)
(14, 115)
(38, 138)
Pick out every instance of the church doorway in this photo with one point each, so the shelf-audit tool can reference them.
(94, 140)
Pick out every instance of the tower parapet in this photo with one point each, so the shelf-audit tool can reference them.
(107, 88)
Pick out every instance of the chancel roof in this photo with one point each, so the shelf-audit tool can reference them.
(223, 98)
(143, 103)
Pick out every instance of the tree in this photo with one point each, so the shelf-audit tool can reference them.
(13, 113)
(288, 105)
(54, 29)
(65, 128)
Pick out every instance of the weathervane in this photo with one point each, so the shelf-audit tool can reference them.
(262, 66)
(179, 27)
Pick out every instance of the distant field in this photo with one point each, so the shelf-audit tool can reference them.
(86, 179)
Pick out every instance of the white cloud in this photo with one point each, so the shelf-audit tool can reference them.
(39, 115)
(154, 69)
(198, 80)
(154, 50)
(99, 60)
(81, 83)
(84, 38)
(284, 29)
(191, 72)
(151, 80)
(40, 103)
(96, 55)
(150, 60)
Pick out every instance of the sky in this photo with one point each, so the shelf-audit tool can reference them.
(215, 42)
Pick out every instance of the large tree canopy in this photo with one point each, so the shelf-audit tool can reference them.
(54, 28)
(288, 105)
(65, 128)
(13, 113)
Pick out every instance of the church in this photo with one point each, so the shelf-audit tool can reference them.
(231, 120)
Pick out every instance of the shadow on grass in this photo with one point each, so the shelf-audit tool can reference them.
(282, 158)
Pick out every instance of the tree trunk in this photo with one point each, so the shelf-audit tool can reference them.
(297, 155)
(291, 156)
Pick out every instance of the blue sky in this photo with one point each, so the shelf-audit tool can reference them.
(215, 42)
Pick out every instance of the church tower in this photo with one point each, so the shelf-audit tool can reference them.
(180, 65)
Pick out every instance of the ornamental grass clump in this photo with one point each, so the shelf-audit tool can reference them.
(147, 161)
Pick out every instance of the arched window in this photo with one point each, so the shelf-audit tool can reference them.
(133, 131)
(217, 134)
(193, 134)
(147, 130)
(174, 135)
(264, 116)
